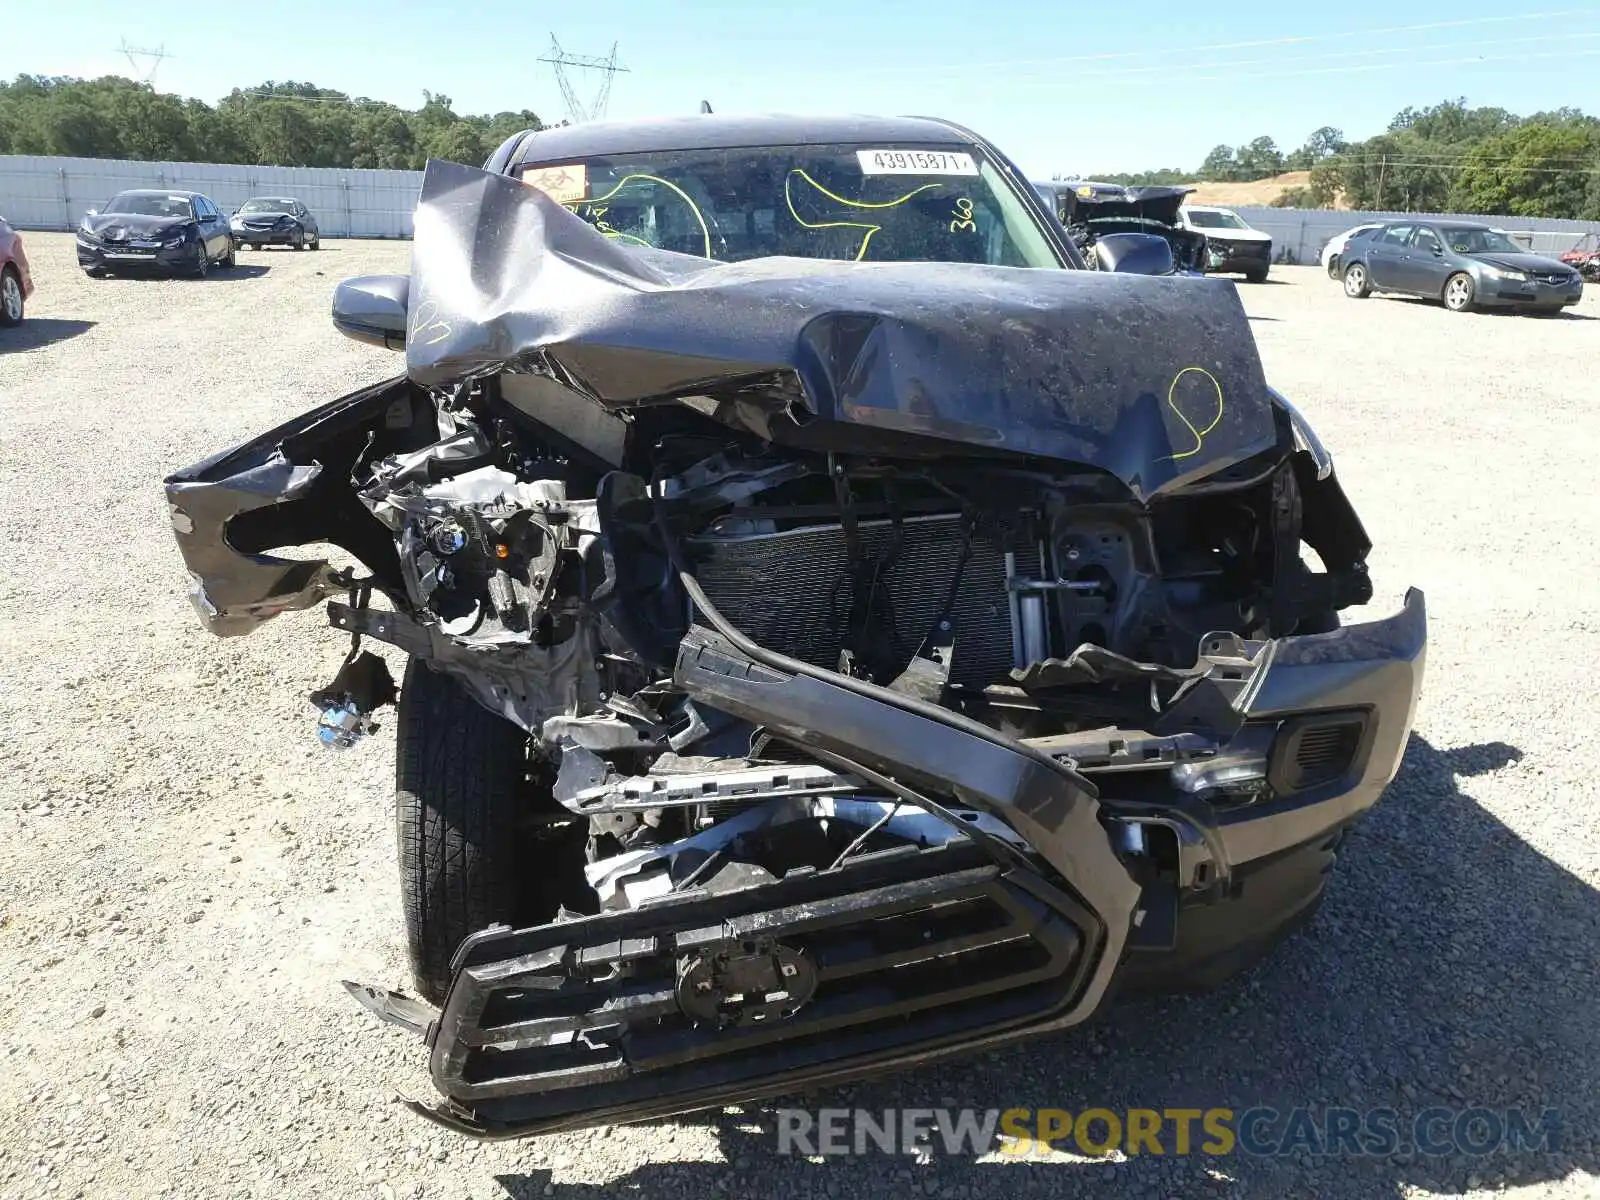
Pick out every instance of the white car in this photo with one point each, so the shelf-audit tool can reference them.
(1232, 246)
(1336, 245)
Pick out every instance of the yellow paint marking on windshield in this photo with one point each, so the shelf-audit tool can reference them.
(868, 226)
(1172, 403)
(705, 231)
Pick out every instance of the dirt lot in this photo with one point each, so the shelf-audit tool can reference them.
(185, 875)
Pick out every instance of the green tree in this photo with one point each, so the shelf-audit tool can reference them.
(1529, 171)
(1220, 164)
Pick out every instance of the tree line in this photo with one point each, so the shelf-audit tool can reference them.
(275, 124)
(1448, 157)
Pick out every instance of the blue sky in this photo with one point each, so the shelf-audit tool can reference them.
(1060, 87)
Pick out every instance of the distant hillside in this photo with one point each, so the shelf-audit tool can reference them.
(1256, 191)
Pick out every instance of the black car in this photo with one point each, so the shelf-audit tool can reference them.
(1461, 264)
(275, 221)
(843, 631)
(176, 233)
(1096, 214)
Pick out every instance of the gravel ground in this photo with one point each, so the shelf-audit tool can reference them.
(187, 875)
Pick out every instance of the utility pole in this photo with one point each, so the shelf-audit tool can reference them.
(577, 111)
(1383, 164)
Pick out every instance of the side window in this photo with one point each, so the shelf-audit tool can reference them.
(203, 209)
(1426, 241)
(1396, 235)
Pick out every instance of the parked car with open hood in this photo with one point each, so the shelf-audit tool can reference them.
(1462, 264)
(171, 232)
(1096, 214)
(16, 279)
(1232, 246)
(843, 631)
(275, 221)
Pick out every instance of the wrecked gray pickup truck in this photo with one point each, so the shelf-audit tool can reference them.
(842, 631)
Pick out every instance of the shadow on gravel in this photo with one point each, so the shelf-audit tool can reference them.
(41, 331)
(228, 274)
(1451, 967)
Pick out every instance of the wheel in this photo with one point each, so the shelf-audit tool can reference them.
(1256, 276)
(11, 302)
(299, 242)
(202, 262)
(230, 260)
(1458, 292)
(462, 799)
(1356, 284)
(316, 242)
(1333, 267)
(255, 246)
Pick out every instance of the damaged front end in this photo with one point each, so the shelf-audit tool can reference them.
(919, 651)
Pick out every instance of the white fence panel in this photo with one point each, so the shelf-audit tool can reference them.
(38, 192)
(1299, 234)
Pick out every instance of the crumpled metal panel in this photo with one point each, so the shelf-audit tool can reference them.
(1155, 380)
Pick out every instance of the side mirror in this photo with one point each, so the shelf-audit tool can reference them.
(93, 212)
(372, 309)
(1135, 254)
(1438, 251)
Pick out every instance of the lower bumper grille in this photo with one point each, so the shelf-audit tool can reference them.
(706, 991)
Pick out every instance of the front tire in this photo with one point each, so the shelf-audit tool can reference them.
(460, 797)
(1256, 276)
(1356, 283)
(1333, 267)
(202, 262)
(1459, 292)
(230, 260)
(11, 299)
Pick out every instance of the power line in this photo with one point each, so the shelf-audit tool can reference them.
(1253, 44)
(1170, 69)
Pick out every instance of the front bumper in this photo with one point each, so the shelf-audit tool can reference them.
(909, 957)
(245, 236)
(134, 255)
(1534, 294)
(1237, 257)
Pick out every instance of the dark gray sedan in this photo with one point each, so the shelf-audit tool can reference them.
(1464, 265)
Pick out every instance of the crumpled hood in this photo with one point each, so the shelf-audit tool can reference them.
(1097, 201)
(1155, 380)
(134, 225)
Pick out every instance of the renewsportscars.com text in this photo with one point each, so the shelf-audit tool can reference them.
(1259, 1131)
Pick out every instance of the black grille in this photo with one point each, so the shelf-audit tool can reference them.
(897, 949)
(792, 591)
(1315, 750)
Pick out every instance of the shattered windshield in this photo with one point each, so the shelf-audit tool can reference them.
(1216, 220)
(267, 206)
(1480, 241)
(921, 204)
(148, 204)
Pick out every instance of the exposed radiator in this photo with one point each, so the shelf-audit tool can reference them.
(791, 591)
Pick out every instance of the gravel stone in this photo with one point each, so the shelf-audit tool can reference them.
(1457, 945)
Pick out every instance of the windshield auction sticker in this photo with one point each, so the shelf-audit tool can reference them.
(915, 162)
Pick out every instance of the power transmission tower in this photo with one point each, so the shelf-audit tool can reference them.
(576, 110)
(134, 53)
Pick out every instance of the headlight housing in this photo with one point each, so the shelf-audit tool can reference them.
(1509, 274)
(175, 239)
